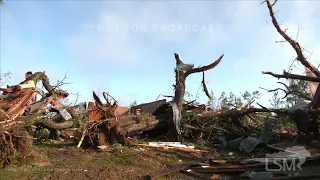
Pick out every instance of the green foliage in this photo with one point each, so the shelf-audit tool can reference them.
(211, 103)
(257, 122)
(187, 117)
(144, 117)
(188, 95)
(248, 97)
(43, 134)
(292, 99)
(80, 120)
(226, 102)
(275, 101)
(134, 103)
(286, 122)
(297, 85)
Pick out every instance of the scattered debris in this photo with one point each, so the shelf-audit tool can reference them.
(102, 126)
(175, 168)
(173, 146)
(149, 108)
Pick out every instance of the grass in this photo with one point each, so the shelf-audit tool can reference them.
(54, 162)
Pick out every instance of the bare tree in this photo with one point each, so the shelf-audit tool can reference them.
(296, 46)
(5, 78)
(304, 123)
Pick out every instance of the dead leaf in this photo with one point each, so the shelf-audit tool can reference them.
(62, 149)
(215, 176)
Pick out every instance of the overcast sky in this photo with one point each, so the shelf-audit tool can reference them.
(126, 48)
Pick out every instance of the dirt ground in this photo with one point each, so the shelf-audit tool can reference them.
(65, 161)
(68, 162)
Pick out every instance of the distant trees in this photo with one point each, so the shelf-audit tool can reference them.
(5, 78)
(299, 89)
(134, 103)
(276, 101)
(298, 86)
(231, 100)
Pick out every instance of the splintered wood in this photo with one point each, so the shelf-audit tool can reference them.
(173, 146)
(94, 113)
(12, 109)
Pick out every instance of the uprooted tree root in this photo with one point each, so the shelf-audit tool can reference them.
(100, 133)
(111, 131)
(15, 146)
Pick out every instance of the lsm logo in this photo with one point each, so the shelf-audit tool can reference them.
(290, 160)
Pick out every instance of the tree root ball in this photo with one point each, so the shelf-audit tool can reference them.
(15, 146)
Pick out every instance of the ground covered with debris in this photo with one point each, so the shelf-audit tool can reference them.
(62, 160)
(164, 139)
(67, 162)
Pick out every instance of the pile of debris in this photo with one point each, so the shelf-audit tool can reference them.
(19, 110)
(278, 161)
(98, 124)
(105, 125)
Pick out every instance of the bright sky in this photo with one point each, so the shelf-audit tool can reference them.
(126, 47)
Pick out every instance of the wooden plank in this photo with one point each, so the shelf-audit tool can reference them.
(190, 150)
(225, 169)
(196, 175)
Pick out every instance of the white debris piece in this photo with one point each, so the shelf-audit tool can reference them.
(170, 144)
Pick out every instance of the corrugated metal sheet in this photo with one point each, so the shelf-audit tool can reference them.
(149, 107)
(176, 126)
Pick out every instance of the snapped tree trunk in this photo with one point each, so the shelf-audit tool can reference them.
(182, 71)
(179, 88)
(182, 75)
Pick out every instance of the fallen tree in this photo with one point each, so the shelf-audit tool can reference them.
(105, 126)
(18, 111)
(113, 129)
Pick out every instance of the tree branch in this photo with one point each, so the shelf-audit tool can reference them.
(168, 96)
(107, 97)
(37, 76)
(289, 91)
(274, 3)
(287, 75)
(205, 68)
(205, 89)
(75, 102)
(205, 129)
(295, 45)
